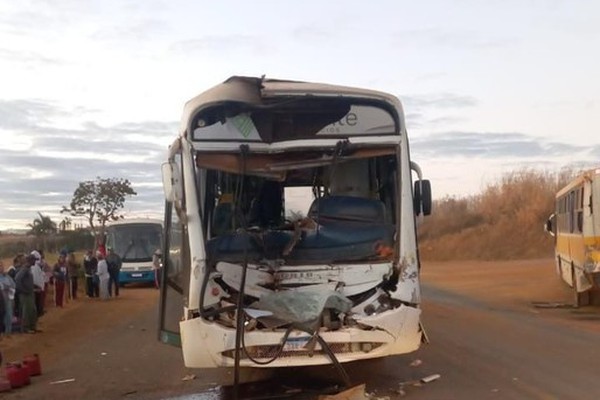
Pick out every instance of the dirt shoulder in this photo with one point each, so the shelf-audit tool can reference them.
(108, 347)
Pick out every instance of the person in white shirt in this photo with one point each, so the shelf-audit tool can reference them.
(39, 280)
(103, 275)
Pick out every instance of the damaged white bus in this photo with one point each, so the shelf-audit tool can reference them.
(291, 227)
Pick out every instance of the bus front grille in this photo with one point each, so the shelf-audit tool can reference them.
(269, 351)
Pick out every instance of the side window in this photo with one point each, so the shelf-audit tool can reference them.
(580, 210)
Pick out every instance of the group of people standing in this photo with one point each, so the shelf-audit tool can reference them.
(102, 273)
(25, 284)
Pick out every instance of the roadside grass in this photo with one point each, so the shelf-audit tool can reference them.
(504, 222)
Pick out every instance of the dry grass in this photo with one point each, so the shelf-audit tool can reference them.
(504, 222)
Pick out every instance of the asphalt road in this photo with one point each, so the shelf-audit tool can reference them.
(487, 342)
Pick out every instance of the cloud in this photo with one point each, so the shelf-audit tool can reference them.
(490, 145)
(438, 100)
(312, 33)
(135, 31)
(439, 37)
(30, 59)
(221, 43)
(22, 114)
(41, 165)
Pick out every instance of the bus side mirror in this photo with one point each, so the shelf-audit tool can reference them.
(172, 184)
(422, 197)
(550, 226)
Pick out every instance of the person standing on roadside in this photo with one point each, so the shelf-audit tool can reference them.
(157, 267)
(59, 272)
(90, 267)
(3, 309)
(114, 269)
(8, 289)
(101, 247)
(47, 270)
(38, 282)
(24, 284)
(103, 275)
(18, 262)
(73, 268)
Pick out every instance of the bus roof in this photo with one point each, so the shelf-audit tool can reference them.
(587, 175)
(252, 90)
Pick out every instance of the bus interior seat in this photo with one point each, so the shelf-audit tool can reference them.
(347, 208)
(348, 229)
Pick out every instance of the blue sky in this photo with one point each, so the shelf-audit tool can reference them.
(96, 88)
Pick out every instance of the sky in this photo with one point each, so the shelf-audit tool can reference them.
(96, 88)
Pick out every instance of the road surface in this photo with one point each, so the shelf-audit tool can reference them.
(487, 342)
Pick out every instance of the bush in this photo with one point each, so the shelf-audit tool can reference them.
(75, 240)
(504, 222)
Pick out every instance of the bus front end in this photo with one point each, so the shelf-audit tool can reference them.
(290, 220)
(135, 241)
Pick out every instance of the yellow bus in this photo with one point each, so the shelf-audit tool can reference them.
(575, 226)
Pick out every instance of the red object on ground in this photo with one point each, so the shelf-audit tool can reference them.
(5, 385)
(33, 364)
(17, 375)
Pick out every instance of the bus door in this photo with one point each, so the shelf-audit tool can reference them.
(174, 277)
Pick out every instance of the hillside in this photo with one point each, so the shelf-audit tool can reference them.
(504, 222)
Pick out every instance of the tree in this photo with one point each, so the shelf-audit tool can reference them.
(99, 201)
(65, 224)
(42, 227)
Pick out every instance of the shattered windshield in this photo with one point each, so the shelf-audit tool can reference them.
(301, 206)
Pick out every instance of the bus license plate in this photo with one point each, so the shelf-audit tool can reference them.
(296, 344)
(136, 275)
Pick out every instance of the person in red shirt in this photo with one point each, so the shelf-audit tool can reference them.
(60, 274)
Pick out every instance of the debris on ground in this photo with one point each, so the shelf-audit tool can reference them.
(416, 363)
(103, 353)
(548, 304)
(431, 378)
(354, 393)
(416, 383)
(62, 381)
(189, 377)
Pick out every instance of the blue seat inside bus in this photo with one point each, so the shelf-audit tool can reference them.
(347, 229)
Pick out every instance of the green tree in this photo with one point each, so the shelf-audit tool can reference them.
(42, 227)
(99, 201)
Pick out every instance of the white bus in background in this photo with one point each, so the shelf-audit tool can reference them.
(135, 241)
(246, 286)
